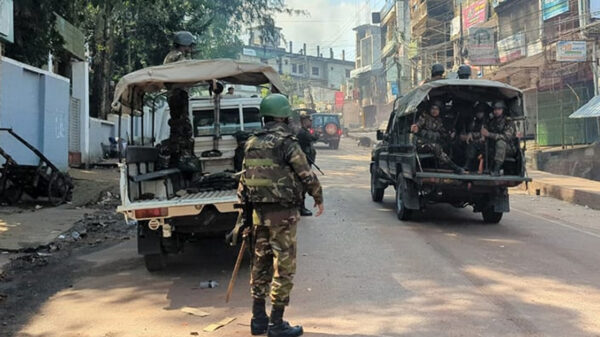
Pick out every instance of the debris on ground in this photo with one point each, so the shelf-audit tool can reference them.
(194, 311)
(218, 325)
(209, 284)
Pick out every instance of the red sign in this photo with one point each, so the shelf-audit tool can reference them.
(474, 14)
(339, 99)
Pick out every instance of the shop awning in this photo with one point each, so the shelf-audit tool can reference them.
(588, 110)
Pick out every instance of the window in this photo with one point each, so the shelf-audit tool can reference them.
(315, 71)
(204, 121)
(294, 68)
(348, 73)
(301, 69)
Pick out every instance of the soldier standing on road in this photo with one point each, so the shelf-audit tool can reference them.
(181, 138)
(431, 134)
(501, 133)
(472, 136)
(306, 141)
(275, 174)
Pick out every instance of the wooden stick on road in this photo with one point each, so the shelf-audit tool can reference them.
(236, 269)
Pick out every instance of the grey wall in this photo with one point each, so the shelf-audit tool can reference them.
(35, 103)
(581, 162)
(100, 130)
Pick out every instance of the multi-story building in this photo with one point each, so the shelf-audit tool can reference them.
(430, 22)
(394, 20)
(313, 78)
(369, 81)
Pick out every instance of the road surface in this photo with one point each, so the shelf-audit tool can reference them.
(361, 272)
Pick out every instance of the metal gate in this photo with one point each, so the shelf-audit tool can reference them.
(75, 132)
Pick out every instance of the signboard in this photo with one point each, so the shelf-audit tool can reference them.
(595, 8)
(571, 51)
(6, 20)
(552, 8)
(73, 37)
(394, 87)
(481, 47)
(249, 52)
(512, 48)
(339, 99)
(535, 48)
(474, 14)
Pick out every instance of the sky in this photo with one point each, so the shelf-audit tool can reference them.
(328, 24)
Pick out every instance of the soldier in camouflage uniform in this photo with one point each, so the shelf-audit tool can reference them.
(180, 144)
(437, 73)
(306, 141)
(275, 174)
(431, 135)
(501, 133)
(472, 136)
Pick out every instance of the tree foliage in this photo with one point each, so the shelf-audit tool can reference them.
(125, 35)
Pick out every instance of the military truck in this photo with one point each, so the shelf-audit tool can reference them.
(418, 178)
(170, 207)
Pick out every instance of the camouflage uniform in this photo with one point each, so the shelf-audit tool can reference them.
(476, 146)
(181, 138)
(431, 136)
(502, 132)
(276, 172)
(306, 140)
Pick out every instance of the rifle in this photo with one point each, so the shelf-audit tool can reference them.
(312, 163)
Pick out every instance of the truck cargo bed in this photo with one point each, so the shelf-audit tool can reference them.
(193, 199)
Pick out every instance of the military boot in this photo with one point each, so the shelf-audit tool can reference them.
(280, 328)
(260, 321)
(305, 211)
(496, 172)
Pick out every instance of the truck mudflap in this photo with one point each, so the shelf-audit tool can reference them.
(475, 179)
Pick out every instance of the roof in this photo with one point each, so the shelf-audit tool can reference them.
(131, 88)
(416, 96)
(588, 110)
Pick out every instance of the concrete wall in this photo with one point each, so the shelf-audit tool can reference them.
(35, 103)
(100, 130)
(583, 162)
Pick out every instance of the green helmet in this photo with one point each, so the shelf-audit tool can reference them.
(184, 38)
(275, 105)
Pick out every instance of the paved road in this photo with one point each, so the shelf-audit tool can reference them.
(363, 273)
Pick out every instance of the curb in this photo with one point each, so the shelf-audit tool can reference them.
(571, 195)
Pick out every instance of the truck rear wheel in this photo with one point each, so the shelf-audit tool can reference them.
(402, 212)
(491, 217)
(376, 191)
(155, 262)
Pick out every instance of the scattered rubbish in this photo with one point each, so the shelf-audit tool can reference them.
(75, 235)
(209, 284)
(220, 324)
(38, 206)
(501, 246)
(43, 254)
(62, 237)
(309, 289)
(194, 311)
(194, 333)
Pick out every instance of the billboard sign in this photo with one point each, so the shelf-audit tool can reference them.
(512, 48)
(6, 20)
(481, 47)
(571, 51)
(552, 8)
(339, 99)
(474, 14)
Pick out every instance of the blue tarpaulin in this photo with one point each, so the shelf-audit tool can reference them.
(590, 109)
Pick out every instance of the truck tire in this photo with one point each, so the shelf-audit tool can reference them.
(155, 262)
(491, 217)
(376, 191)
(402, 212)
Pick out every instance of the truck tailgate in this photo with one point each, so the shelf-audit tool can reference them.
(192, 199)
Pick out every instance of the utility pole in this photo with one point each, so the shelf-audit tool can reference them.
(461, 41)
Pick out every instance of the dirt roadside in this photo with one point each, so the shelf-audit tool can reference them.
(28, 277)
